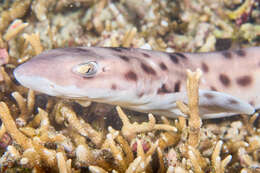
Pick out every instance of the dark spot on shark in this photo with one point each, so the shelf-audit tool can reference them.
(75, 49)
(163, 90)
(113, 87)
(224, 79)
(252, 103)
(173, 58)
(118, 49)
(177, 86)
(227, 54)
(123, 57)
(244, 80)
(232, 101)
(240, 52)
(208, 96)
(181, 55)
(213, 88)
(147, 69)
(163, 66)
(104, 69)
(146, 55)
(204, 67)
(130, 75)
(140, 94)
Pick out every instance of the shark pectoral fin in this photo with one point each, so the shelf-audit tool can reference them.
(214, 104)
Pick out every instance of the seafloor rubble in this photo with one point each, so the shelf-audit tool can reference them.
(44, 134)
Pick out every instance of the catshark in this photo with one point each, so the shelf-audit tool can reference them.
(146, 80)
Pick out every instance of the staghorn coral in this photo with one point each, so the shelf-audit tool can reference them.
(64, 166)
(38, 151)
(242, 14)
(57, 137)
(14, 29)
(219, 166)
(17, 10)
(26, 107)
(34, 40)
(194, 118)
(78, 125)
(130, 130)
(247, 161)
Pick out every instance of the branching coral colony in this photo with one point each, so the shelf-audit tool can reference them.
(62, 141)
(59, 138)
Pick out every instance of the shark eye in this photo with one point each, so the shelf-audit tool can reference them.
(88, 69)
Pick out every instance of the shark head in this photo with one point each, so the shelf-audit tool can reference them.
(77, 73)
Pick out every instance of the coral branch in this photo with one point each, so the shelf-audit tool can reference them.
(219, 166)
(198, 162)
(14, 29)
(193, 103)
(62, 165)
(32, 146)
(11, 127)
(130, 130)
(2, 131)
(80, 126)
(25, 105)
(96, 169)
(34, 40)
(17, 10)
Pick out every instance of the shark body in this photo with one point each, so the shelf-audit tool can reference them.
(148, 81)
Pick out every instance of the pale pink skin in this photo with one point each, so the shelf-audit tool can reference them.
(149, 81)
(4, 58)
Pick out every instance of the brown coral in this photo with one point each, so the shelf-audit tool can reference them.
(58, 138)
